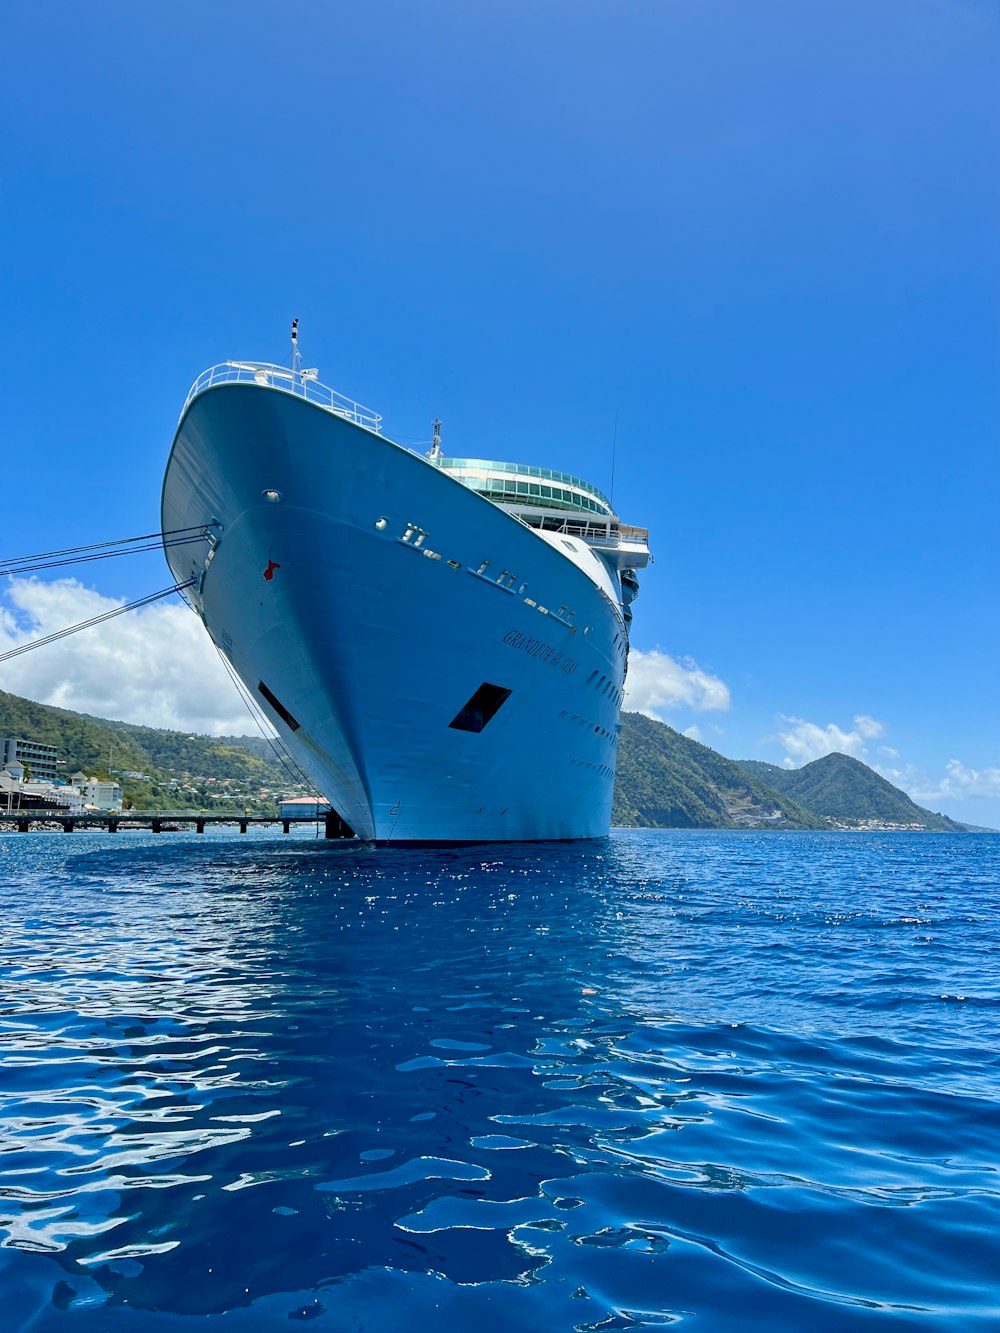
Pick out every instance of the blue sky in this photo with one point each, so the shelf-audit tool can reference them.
(759, 241)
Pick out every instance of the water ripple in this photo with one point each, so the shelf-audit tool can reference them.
(747, 1080)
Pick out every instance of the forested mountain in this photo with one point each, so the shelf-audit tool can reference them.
(848, 791)
(666, 780)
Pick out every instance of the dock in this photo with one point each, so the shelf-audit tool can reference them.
(163, 822)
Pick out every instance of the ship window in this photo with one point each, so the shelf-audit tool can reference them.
(278, 706)
(483, 705)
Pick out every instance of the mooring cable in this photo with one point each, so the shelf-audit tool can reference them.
(282, 755)
(95, 620)
(100, 555)
(156, 538)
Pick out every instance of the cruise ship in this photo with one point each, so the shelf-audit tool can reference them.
(440, 643)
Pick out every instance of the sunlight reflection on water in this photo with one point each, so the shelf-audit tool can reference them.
(612, 1085)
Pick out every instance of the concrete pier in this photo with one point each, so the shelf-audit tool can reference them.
(160, 822)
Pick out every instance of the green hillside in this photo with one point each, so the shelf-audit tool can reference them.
(772, 774)
(180, 771)
(849, 792)
(666, 780)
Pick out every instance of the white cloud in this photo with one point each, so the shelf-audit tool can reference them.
(958, 783)
(657, 684)
(693, 731)
(867, 727)
(806, 741)
(155, 666)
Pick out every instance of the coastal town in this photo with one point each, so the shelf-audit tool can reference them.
(30, 782)
(35, 784)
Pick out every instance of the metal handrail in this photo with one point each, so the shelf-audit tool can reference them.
(301, 383)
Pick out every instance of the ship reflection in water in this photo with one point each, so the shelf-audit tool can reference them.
(550, 1087)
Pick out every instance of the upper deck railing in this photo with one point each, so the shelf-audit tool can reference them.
(301, 383)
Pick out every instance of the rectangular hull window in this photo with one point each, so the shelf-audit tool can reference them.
(481, 708)
(278, 706)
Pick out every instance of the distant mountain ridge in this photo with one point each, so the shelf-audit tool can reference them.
(664, 779)
(846, 790)
(668, 780)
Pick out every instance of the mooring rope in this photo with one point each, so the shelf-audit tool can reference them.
(95, 620)
(279, 751)
(74, 555)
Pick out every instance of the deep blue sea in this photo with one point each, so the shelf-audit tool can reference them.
(715, 1080)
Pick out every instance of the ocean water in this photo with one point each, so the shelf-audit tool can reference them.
(715, 1080)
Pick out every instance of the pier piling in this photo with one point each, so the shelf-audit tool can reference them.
(335, 826)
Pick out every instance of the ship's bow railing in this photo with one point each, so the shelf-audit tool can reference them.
(301, 383)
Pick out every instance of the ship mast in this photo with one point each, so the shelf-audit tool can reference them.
(435, 451)
(296, 354)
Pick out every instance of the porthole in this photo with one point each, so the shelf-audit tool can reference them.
(272, 497)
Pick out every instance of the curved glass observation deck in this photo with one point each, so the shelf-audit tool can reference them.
(519, 484)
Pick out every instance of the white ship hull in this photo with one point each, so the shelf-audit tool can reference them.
(354, 610)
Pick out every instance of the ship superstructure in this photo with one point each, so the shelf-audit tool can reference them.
(440, 643)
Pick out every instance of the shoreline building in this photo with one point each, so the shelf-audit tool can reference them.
(56, 796)
(292, 806)
(104, 796)
(41, 759)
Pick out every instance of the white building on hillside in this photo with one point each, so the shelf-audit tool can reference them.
(102, 795)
